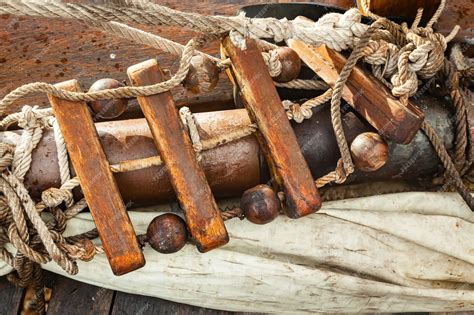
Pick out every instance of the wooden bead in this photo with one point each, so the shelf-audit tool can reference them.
(203, 75)
(167, 233)
(107, 109)
(260, 205)
(369, 151)
(290, 65)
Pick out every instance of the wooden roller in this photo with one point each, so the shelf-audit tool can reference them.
(187, 177)
(275, 134)
(370, 98)
(97, 182)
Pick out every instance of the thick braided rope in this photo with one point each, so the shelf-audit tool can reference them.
(449, 166)
(336, 31)
(336, 118)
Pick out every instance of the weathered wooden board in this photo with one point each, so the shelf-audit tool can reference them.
(135, 304)
(275, 134)
(187, 177)
(97, 182)
(10, 297)
(364, 93)
(76, 298)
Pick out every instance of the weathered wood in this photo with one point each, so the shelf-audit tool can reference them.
(97, 182)
(364, 93)
(187, 177)
(10, 297)
(76, 298)
(135, 304)
(275, 134)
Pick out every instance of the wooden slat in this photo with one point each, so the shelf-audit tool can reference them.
(97, 182)
(135, 304)
(10, 297)
(187, 177)
(76, 298)
(275, 135)
(364, 93)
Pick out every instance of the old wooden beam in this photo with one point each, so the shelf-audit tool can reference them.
(364, 93)
(275, 134)
(97, 182)
(187, 177)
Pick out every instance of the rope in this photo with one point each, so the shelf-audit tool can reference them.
(450, 169)
(337, 31)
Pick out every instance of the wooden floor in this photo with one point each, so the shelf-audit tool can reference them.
(73, 297)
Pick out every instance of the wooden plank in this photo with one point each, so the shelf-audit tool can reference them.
(364, 93)
(10, 297)
(135, 304)
(97, 182)
(76, 298)
(275, 134)
(187, 177)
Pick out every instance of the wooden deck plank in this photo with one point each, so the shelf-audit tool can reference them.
(73, 297)
(125, 304)
(10, 297)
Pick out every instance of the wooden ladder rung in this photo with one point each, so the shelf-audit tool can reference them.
(370, 98)
(187, 177)
(275, 134)
(97, 182)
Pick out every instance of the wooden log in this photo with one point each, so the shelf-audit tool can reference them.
(187, 177)
(97, 182)
(364, 93)
(276, 136)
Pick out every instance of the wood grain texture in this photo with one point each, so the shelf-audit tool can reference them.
(125, 304)
(76, 298)
(364, 93)
(187, 177)
(275, 134)
(97, 182)
(80, 51)
(10, 297)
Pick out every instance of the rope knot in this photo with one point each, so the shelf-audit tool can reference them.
(273, 63)
(6, 156)
(31, 118)
(53, 197)
(296, 112)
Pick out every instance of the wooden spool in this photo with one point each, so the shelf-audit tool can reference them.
(275, 134)
(187, 177)
(97, 182)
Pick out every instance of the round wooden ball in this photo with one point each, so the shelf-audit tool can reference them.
(369, 151)
(167, 233)
(107, 109)
(203, 75)
(290, 65)
(260, 205)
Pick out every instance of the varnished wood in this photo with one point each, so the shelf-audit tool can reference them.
(364, 93)
(260, 204)
(167, 233)
(97, 182)
(369, 151)
(275, 134)
(187, 177)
